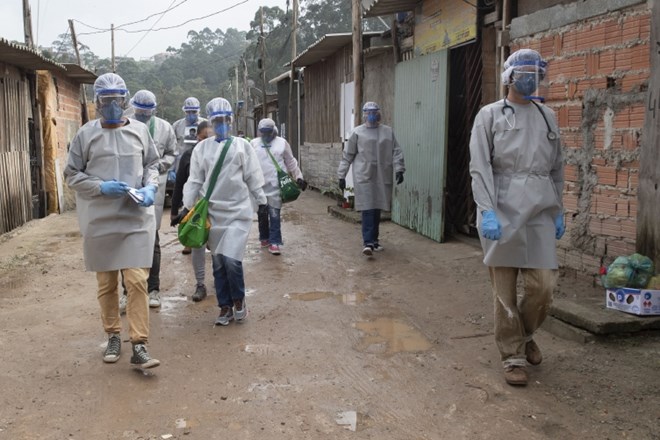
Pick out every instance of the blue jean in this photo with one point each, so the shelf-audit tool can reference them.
(270, 226)
(228, 279)
(370, 226)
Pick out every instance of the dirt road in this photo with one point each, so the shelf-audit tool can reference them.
(399, 345)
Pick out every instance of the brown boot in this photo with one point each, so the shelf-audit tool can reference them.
(515, 375)
(533, 353)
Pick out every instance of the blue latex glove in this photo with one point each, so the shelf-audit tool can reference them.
(149, 194)
(113, 188)
(171, 176)
(560, 227)
(490, 226)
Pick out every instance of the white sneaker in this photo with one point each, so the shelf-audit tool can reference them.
(123, 302)
(154, 299)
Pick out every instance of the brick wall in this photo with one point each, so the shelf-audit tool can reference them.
(598, 77)
(68, 121)
(319, 163)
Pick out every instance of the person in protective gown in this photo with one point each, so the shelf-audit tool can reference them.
(198, 260)
(144, 110)
(185, 141)
(517, 181)
(108, 158)
(230, 207)
(377, 158)
(270, 231)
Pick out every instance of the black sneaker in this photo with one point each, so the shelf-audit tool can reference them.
(200, 293)
(113, 349)
(226, 316)
(378, 247)
(141, 358)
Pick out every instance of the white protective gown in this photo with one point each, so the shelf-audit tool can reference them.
(281, 151)
(117, 232)
(179, 127)
(230, 208)
(376, 156)
(163, 135)
(523, 183)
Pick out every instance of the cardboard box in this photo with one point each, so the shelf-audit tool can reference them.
(635, 301)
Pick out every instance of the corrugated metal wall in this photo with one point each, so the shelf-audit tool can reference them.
(420, 125)
(15, 176)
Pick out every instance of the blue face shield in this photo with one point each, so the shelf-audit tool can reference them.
(111, 112)
(526, 83)
(222, 130)
(372, 118)
(191, 118)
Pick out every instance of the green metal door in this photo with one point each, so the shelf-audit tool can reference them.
(420, 126)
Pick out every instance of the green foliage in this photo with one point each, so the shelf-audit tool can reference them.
(205, 65)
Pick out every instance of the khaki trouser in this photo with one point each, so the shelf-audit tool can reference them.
(137, 308)
(516, 321)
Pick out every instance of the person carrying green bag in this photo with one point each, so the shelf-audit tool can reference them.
(230, 209)
(278, 164)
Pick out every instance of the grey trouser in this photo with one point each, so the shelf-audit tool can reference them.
(516, 321)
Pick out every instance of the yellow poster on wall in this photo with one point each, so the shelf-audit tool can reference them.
(443, 24)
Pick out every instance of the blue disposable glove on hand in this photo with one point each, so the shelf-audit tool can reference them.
(560, 227)
(113, 188)
(490, 226)
(149, 194)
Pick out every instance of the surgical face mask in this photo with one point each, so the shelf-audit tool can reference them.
(267, 136)
(191, 118)
(222, 130)
(143, 117)
(111, 112)
(372, 118)
(525, 82)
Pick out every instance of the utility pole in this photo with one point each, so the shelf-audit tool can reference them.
(74, 40)
(357, 61)
(112, 42)
(27, 24)
(246, 96)
(263, 59)
(292, 76)
(237, 109)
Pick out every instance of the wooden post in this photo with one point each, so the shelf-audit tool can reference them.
(263, 61)
(112, 43)
(245, 96)
(648, 226)
(292, 76)
(357, 61)
(27, 24)
(74, 40)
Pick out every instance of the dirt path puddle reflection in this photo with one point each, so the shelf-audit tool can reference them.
(389, 336)
(350, 299)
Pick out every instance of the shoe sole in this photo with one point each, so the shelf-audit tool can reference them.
(198, 298)
(241, 319)
(108, 360)
(224, 323)
(367, 252)
(153, 363)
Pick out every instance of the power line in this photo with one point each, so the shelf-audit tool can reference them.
(168, 27)
(132, 22)
(152, 26)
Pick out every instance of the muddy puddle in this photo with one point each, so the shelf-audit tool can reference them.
(390, 336)
(350, 299)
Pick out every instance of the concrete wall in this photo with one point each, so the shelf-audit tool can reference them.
(598, 73)
(319, 164)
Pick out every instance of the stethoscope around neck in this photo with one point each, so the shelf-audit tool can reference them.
(552, 136)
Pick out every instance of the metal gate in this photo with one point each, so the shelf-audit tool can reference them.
(420, 125)
(464, 102)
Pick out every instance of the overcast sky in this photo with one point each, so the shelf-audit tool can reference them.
(49, 19)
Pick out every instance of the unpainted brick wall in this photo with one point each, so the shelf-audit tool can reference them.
(598, 77)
